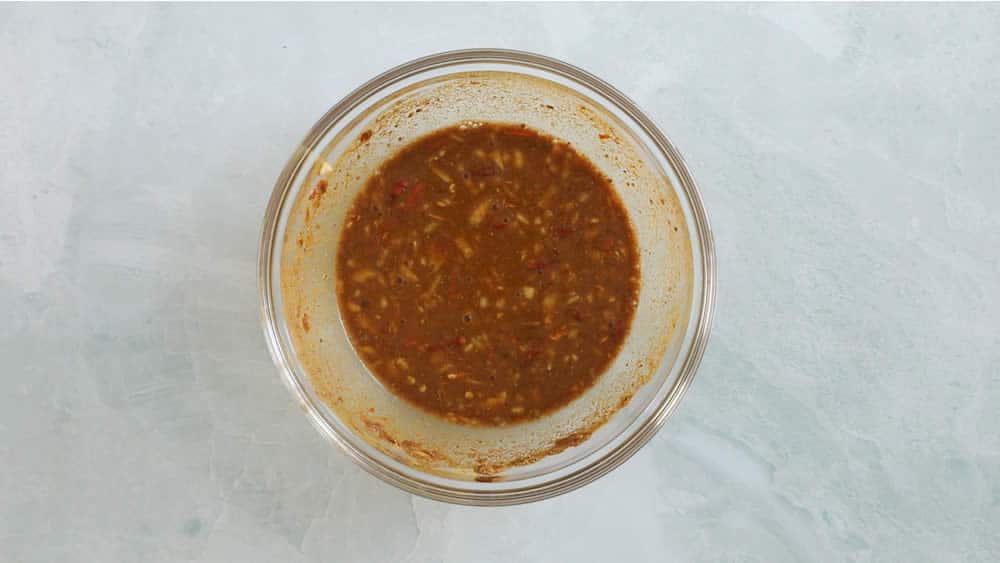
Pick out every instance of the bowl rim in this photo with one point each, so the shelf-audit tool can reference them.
(689, 358)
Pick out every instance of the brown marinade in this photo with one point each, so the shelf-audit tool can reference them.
(487, 273)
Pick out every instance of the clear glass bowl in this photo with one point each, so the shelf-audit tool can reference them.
(424, 454)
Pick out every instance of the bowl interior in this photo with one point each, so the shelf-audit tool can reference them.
(350, 404)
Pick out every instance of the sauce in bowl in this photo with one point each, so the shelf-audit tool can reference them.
(487, 273)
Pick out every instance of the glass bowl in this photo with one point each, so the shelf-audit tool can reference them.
(425, 454)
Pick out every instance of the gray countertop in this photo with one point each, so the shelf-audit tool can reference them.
(847, 406)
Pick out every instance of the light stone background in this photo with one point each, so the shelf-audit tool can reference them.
(847, 407)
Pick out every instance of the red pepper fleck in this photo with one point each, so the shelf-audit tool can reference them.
(500, 225)
(399, 188)
(564, 232)
(603, 136)
(520, 132)
(488, 170)
(411, 198)
(537, 265)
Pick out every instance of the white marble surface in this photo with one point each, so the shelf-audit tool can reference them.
(846, 410)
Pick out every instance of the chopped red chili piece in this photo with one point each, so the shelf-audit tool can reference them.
(520, 132)
(399, 188)
(537, 265)
(411, 197)
(482, 171)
